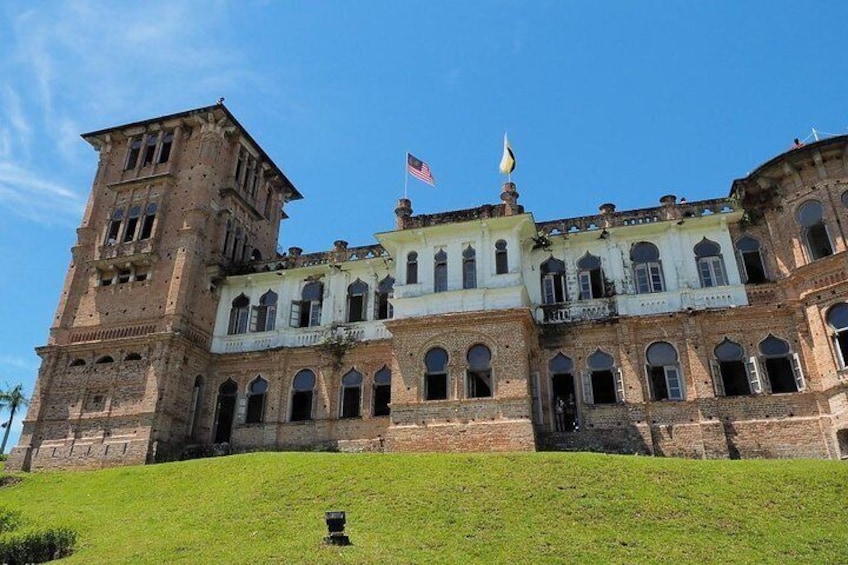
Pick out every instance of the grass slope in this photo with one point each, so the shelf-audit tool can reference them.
(439, 508)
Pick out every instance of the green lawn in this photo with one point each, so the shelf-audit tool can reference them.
(439, 508)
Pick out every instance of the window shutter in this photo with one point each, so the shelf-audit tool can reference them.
(650, 382)
(674, 383)
(754, 375)
(796, 370)
(534, 391)
(619, 384)
(315, 314)
(718, 382)
(587, 388)
(254, 317)
(294, 319)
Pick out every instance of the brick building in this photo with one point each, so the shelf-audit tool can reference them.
(714, 329)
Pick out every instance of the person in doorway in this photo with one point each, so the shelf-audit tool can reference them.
(559, 410)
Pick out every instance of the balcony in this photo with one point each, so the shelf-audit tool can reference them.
(295, 337)
(576, 311)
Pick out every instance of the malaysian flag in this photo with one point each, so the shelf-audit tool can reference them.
(419, 169)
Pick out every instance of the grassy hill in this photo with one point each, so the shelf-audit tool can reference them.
(438, 508)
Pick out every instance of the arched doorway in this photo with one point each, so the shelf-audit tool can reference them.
(225, 411)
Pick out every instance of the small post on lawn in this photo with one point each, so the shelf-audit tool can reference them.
(335, 528)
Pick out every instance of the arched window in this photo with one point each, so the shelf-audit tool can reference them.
(501, 258)
(133, 357)
(149, 218)
(440, 271)
(165, 150)
(256, 392)
(478, 377)
(710, 264)
(225, 410)
(357, 300)
(436, 378)
(751, 259)
(194, 407)
(255, 255)
(306, 312)
(239, 314)
(133, 153)
(647, 268)
(552, 272)
(837, 319)
(114, 227)
(732, 375)
(78, 363)
(236, 244)
(469, 268)
(265, 315)
(382, 392)
(104, 359)
(814, 230)
(664, 372)
(412, 268)
(602, 382)
(783, 368)
(150, 149)
(563, 395)
(301, 400)
(132, 223)
(228, 238)
(590, 277)
(382, 306)
(351, 394)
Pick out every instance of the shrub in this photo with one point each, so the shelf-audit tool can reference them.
(9, 520)
(37, 546)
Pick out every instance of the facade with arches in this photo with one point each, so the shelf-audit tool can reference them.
(710, 329)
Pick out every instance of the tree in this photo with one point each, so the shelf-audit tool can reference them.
(12, 398)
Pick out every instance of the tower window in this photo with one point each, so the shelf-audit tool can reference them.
(469, 268)
(149, 218)
(440, 271)
(114, 227)
(553, 281)
(412, 268)
(357, 299)
(132, 223)
(501, 259)
(165, 149)
(751, 259)
(133, 153)
(382, 306)
(149, 149)
(239, 314)
(814, 230)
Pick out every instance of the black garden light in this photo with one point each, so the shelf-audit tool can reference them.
(335, 528)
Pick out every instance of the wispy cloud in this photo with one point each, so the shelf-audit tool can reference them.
(40, 200)
(15, 362)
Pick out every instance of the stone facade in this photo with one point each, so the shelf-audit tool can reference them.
(711, 329)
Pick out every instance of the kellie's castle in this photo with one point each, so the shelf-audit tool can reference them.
(714, 329)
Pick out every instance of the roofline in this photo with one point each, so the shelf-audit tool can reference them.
(294, 193)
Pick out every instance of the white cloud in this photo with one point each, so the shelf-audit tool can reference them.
(18, 362)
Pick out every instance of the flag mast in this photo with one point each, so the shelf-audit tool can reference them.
(508, 160)
(405, 173)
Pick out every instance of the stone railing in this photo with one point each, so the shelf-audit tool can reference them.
(297, 337)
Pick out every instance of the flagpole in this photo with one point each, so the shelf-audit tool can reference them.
(405, 174)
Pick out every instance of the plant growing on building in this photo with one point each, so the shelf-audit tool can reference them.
(336, 344)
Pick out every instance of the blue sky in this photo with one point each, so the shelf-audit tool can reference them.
(613, 101)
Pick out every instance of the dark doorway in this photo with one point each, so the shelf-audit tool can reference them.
(780, 375)
(225, 411)
(565, 403)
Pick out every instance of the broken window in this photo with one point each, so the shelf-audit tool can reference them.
(265, 314)
(149, 150)
(114, 227)
(732, 375)
(563, 396)
(165, 149)
(133, 153)
(306, 312)
(602, 382)
(382, 392)
(351, 394)
(814, 230)
(412, 268)
(132, 223)
(225, 410)
(124, 276)
(436, 378)
(107, 277)
(710, 264)
(501, 258)
(194, 407)
(256, 392)
(141, 272)
(783, 368)
(647, 269)
(553, 281)
(440, 271)
(382, 305)
(147, 224)
(469, 268)
(664, 372)
(590, 277)
(301, 402)
(105, 359)
(357, 300)
(478, 377)
(751, 259)
(837, 319)
(239, 314)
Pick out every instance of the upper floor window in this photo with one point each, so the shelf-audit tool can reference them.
(114, 227)
(733, 375)
(751, 258)
(239, 315)
(837, 319)
(501, 258)
(382, 392)
(306, 312)
(813, 230)
(240, 158)
(351, 394)
(479, 375)
(602, 382)
(236, 244)
(436, 378)
(590, 277)
(302, 393)
(228, 238)
(134, 152)
(149, 149)
(256, 392)
(647, 269)
(412, 268)
(265, 314)
(165, 149)
(664, 372)
(553, 281)
(710, 264)
(440, 271)
(783, 368)
(382, 306)
(132, 223)
(149, 219)
(357, 300)
(469, 268)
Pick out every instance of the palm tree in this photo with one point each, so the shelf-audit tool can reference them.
(12, 399)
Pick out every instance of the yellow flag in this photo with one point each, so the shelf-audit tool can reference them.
(508, 159)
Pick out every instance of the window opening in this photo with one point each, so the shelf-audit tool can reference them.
(150, 149)
(479, 374)
(440, 271)
(114, 227)
(837, 319)
(147, 224)
(601, 385)
(664, 372)
(133, 153)
(732, 374)
(783, 369)
(132, 223)
(382, 392)
(710, 264)
(165, 150)
(436, 378)
(105, 359)
(357, 299)
(306, 312)
(501, 258)
(265, 314)
(810, 216)
(469, 268)
(256, 393)
(302, 387)
(239, 314)
(752, 261)
(647, 268)
(553, 281)
(351, 394)
(194, 407)
(225, 411)
(563, 393)
(385, 291)
(590, 277)
(412, 268)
